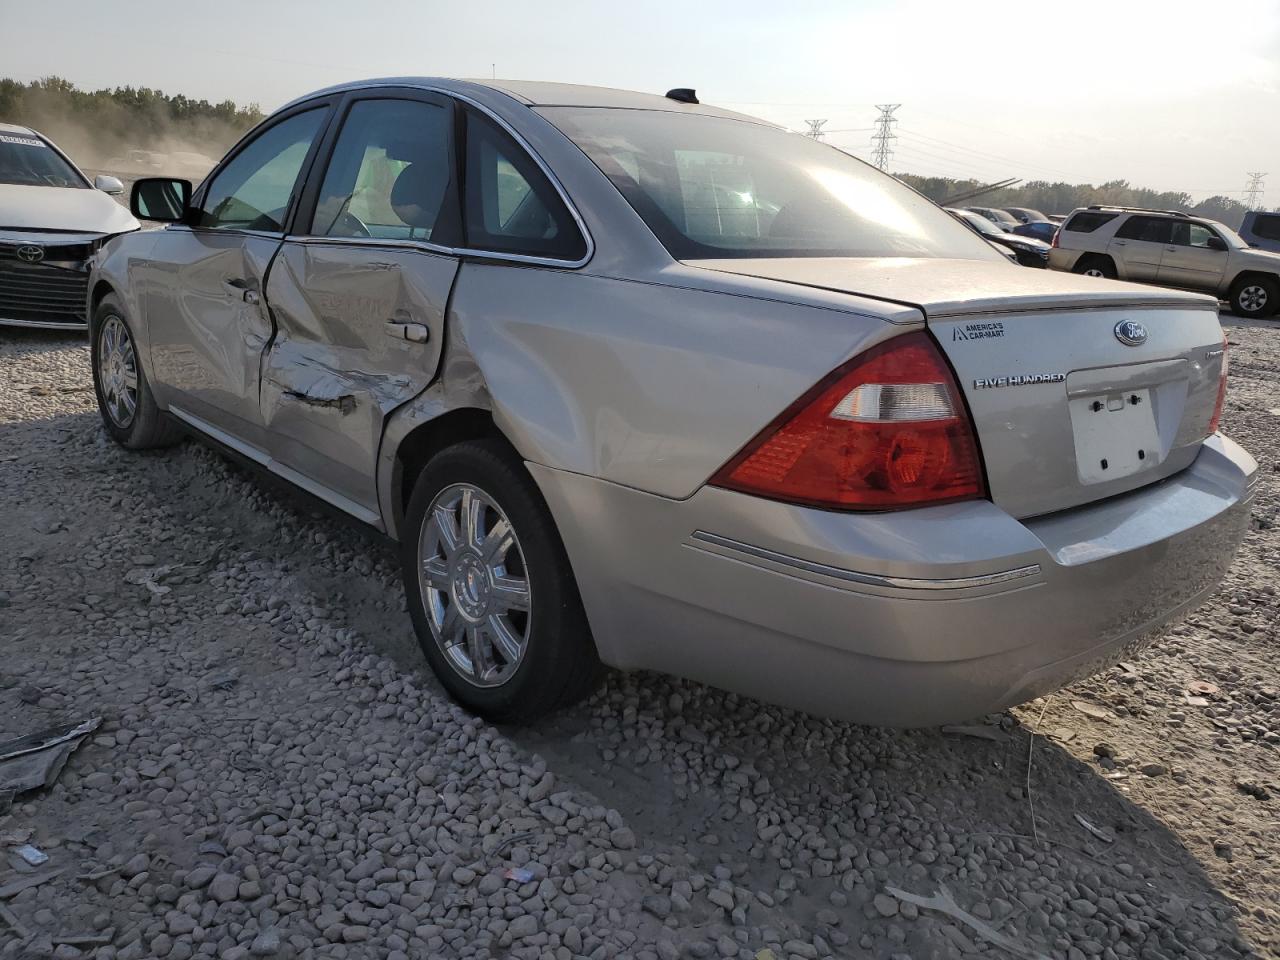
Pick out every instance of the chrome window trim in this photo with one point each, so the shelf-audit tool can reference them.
(475, 252)
(868, 579)
(426, 246)
(229, 231)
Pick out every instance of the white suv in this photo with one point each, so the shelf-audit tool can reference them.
(1171, 249)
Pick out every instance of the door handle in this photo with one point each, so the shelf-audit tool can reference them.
(241, 287)
(1171, 249)
(413, 332)
(1118, 243)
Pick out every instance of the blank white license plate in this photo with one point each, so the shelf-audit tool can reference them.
(1116, 435)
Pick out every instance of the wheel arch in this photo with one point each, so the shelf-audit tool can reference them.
(409, 453)
(1093, 256)
(1246, 275)
(101, 290)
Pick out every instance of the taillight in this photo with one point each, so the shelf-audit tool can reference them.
(1054, 241)
(886, 430)
(1222, 392)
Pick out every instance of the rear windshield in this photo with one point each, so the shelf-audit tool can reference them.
(30, 162)
(1087, 222)
(713, 187)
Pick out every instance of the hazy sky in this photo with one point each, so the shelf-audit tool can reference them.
(1172, 95)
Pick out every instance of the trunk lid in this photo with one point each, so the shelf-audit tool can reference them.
(1067, 409)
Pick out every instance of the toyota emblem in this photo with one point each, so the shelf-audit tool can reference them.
(31, 253)
(1131, 333)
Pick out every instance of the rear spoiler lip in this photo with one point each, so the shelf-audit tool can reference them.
(1110, 303)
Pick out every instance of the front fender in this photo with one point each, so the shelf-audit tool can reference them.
(112, 271)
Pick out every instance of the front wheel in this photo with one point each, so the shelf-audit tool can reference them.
(128, 409)
(490, 590)
(1255, 297)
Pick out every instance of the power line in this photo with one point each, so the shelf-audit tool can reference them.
(984, 155)
(815, 129)
(884, 135)
(1254, 191)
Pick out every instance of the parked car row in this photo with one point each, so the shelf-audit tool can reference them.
(1170, 248)
(1026, 250)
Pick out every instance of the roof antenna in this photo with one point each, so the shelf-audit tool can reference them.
(683, 95)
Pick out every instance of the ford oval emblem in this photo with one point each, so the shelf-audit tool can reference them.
(1131, 333)
(30, 253)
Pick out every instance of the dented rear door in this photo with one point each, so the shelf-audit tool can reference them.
(359, 295)
(358, 333)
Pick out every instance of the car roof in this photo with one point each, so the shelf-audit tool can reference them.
(536, 93)
(17, 128)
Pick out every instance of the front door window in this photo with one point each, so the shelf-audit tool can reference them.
(253, 191)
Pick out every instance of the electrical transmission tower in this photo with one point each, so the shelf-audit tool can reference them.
(815, 129)
(884, 136)
(1253, 192)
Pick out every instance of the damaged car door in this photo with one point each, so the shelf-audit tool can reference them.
(359, 292)
(201, 287)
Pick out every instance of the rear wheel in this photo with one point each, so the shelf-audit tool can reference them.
(1255, 297)
(128, 409)
(1095, 267)
(490, 590)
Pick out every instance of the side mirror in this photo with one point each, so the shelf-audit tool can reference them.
(107, 184)
(162, 199)
(1217, 243)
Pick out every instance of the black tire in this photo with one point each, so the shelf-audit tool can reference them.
(1102, 265)
(559, 664)
(1255, 297)
(144, 427)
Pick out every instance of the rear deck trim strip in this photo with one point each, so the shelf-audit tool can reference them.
(868, 579)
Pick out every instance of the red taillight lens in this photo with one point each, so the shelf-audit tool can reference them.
(887, 430)
(1054, 241)
(1222, 392)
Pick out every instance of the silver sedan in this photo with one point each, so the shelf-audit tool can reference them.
(641, 382)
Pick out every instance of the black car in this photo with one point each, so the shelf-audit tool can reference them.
(1029, 251)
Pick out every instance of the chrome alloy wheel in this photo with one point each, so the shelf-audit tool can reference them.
(118, 371)
(1252, 298)
(474, 585)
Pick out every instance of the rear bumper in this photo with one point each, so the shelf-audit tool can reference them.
(1061, 259)
(902, 619)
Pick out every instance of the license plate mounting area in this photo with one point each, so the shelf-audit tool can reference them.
(1115, 434)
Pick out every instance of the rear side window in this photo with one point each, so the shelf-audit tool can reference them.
(1087, 221)
(1267, 226)
(1149, 229)
(511, 207)
(391, 174)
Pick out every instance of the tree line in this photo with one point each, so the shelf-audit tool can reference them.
(93, 125)
(1065, 197)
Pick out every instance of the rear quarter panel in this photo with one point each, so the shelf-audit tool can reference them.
(642, 384)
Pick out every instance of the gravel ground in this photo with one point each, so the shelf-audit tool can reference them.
(277, 774)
